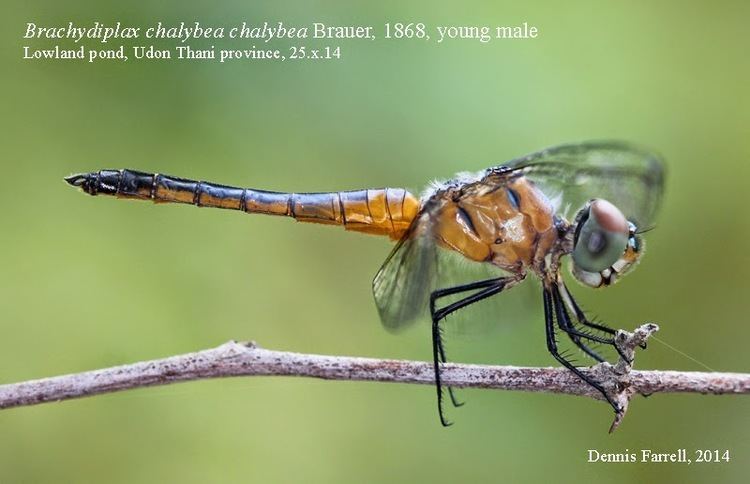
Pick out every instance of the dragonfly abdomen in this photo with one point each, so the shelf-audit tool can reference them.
(383, 211)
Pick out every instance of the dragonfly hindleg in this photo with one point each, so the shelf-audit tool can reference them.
(485, 289)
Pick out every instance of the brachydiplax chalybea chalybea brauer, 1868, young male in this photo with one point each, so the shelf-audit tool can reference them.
(590, 201)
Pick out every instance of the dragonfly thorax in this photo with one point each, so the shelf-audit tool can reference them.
(510, 224)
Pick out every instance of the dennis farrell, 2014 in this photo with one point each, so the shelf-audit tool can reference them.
(644, 455)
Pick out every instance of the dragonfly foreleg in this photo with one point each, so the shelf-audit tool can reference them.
(485, 289)
(565, 324)
(582, 319)
(580, 315)
(549, 317)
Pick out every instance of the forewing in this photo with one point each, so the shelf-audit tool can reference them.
(626, 175)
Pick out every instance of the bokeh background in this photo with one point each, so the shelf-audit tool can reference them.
(89, 283)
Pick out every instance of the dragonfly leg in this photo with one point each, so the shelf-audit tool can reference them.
(581, 317)
(486, 288)
(441, 350)
(549, 317)
(448, 292)
(565, 324)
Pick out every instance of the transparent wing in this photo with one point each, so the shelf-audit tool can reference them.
(630, 177)
(401, 286)
(514, 306)
(417, 266)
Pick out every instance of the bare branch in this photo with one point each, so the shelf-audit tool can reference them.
(247, 359)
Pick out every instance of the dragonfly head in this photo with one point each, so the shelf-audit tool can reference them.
(605, 244)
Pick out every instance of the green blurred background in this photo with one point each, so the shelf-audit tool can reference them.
(89, 283)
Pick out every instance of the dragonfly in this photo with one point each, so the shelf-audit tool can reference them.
(591, 201)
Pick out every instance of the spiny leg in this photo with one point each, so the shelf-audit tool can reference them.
(549, 318)
(448, 292)
(565, 324)
(581, 317)
(441, 349)
(488, 288)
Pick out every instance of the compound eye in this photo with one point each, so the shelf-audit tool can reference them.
(601, 238)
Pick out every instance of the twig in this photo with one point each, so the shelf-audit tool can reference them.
(247, 359)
